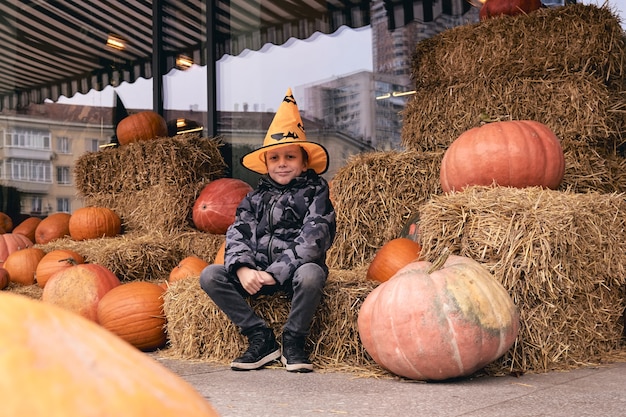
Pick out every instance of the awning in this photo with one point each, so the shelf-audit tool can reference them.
(59, 47)
(53, 48)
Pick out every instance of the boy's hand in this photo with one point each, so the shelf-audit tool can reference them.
(252, 280)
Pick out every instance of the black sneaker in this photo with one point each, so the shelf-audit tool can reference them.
(294, 357)
(262, 350)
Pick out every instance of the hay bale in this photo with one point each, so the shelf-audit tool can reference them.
(574, 106)
(556, 41)
(589, 169)
(561, 255)
(151, 185)
(197, 329)
(142, 256)
(374, 195)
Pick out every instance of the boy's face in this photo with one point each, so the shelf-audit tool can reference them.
(285, 163)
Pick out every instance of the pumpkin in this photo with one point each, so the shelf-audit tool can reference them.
(214, 209)
(77, 368)
(55, 261)
(80, 288)
(494, 8)
(219, 256)
(427, 323)
(4, 278)
(145, 125)
(392, 256)
(53, 227)
(6, 223)
(22, 264)
(93, 223)
(190, 266)
(10, 242)
(27, 227)
(134, 312)
(519, 153)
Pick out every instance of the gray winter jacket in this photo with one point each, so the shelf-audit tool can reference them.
(278, 228)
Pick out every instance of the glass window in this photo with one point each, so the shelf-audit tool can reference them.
(64, 175)
(63, 205)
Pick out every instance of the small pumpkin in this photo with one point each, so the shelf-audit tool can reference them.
(4, 278)
(22, 264)
(53, 227)
(145, 125)
(214, 209)
(27, 227)
(434, 323)
(392, 256)
(517, 153)
(495, 8)
(134, 312)
(54, 261)
(191, 266)
(219, 256)
(94, 223)
(10, 242)
(6, 223)
(80, 288)
(77, 368)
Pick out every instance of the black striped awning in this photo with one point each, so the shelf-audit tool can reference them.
(50, 48)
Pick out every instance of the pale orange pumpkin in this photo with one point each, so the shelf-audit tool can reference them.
(55, 261)
(93, 223)
(80, 288)
(191, 266)
(434, 324)
(134, 312)
(22, 264)
(27, 227)
(77, 368)
(392, 256)
(53, 227)
(145, 125)
(10, 242)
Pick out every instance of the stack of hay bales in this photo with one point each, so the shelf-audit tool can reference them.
(152, 185)
(560, 254)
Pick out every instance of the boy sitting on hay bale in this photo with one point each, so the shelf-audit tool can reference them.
(278, 242)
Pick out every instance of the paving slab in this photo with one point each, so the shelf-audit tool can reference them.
(274, 392)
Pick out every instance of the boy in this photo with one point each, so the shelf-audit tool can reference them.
(278, 242)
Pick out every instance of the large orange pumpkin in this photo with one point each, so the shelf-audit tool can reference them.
(77, 368)
(80, 288)
(27, 227)
(93, 223)
(145, 125)
(191, 266)
(214, 209)
(494, 8)
(53, 227)
(22, 264)
(519, 153)
(134, 312)
(10, 242)
(391, 257)
(54, 261)
(435, 325)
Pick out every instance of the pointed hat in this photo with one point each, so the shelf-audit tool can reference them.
(287, 129)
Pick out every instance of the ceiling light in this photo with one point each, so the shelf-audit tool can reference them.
(116, 42)
(183, 62)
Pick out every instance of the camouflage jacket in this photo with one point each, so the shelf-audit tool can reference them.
(278, 228)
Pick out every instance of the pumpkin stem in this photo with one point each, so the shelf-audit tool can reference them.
(70, 261)
(484, 117)
(438, 263)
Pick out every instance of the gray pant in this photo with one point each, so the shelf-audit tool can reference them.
(305, 290)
